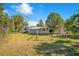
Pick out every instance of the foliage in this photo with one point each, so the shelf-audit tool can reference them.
(3, 22)
(9, 24)
(40, 23)
(72, 24)
(54, 20)
(18, 22)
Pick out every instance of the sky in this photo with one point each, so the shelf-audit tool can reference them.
(33, 12)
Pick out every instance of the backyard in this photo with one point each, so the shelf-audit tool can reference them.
(22, 44)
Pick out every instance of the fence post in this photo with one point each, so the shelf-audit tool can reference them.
(36, 34)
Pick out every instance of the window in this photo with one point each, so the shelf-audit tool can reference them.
(25, 29)
(43, 29)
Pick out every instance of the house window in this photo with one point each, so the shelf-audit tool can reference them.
(43, 29)
(25, 29)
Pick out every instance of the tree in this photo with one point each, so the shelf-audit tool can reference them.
(40, 23)
(72, 23)
(3, 22)
(10, 24)
(18, 22)
(75, 28)
(25, 24)
(54, 20)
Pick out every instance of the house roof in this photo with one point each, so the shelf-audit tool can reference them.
(35, 27)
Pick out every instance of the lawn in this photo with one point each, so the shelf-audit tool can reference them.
(19, 44)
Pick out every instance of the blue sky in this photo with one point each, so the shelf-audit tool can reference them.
(33, 12)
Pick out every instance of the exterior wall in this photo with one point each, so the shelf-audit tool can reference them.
(44, 31)
(32, 31)
(39, 31)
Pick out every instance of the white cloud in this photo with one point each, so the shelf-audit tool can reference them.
(24, 9)
(32, 23)
(5, 11)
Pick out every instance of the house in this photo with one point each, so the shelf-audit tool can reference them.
(36, 30)
(59, 30)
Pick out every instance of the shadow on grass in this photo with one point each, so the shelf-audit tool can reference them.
(70, 36)
(56, 49)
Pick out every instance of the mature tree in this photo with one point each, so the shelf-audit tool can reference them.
(10, 24)
(72, 23)
(40, 23)
(3, 21)
(18, 22)
(54, 20)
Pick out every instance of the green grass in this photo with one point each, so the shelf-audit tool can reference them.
(20, 44)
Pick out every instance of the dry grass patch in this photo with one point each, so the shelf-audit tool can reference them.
(17, 44)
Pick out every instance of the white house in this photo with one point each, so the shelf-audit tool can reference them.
(36, 30)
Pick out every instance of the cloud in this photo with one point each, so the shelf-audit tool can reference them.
(5, 11)
(32, 23)
(24, 8)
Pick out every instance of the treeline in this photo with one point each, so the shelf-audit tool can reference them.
(16, 22)
(72, 24)
(55, 21)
